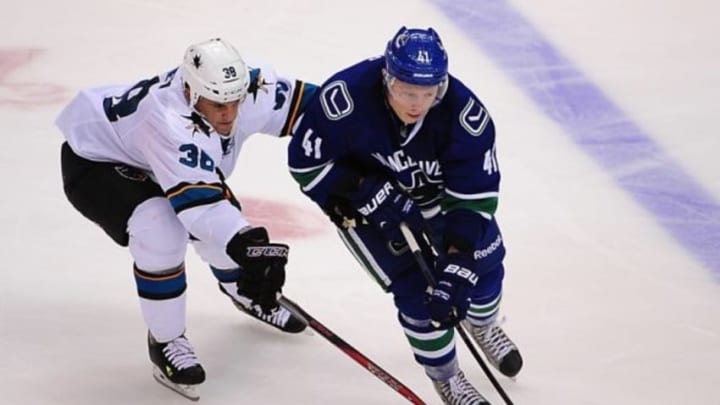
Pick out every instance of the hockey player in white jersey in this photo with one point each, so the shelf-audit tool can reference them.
(147, 163)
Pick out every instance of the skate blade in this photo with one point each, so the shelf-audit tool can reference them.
(190, 392)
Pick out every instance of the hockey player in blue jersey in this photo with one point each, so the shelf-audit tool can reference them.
(396, 139)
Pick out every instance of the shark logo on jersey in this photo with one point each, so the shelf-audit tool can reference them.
(257, 83)
(198, 124)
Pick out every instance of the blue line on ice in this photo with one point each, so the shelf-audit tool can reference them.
(638, 165)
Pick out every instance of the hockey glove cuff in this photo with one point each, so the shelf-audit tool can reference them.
(450, 299)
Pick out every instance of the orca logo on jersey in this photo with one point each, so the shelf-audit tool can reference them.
(336, 101)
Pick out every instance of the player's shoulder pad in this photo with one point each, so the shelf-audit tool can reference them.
(174, 118)
(267, 84)
(338, 94)
(335, 100)
(178, 121)
(263, 83)
(472, 115)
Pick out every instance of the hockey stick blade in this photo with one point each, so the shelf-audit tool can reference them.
(427, 273)
(353, 353)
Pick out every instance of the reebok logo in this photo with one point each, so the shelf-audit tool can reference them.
(483, 253)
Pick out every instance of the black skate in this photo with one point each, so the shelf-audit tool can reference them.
(175, 366)
(458, 391)
(283, 318)
(500, 351)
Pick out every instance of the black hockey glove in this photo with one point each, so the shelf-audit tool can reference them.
(450, 299)
(341, 212)
(385, 206)
(263, 266)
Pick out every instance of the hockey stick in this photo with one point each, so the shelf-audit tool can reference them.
(346, 348)
(417, 252)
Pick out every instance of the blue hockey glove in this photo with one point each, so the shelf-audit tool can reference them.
(450, 299)
(385, 206)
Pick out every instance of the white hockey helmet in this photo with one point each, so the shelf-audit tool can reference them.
(214, 70)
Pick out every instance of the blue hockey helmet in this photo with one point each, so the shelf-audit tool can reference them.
(417, 56)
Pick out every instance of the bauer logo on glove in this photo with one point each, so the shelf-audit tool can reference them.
(461, 272)
(377, 200)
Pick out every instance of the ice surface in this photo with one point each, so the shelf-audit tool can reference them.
(605, 301)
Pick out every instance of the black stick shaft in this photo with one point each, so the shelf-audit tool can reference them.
(417, 252)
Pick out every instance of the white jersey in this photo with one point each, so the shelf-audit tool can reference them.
(149, 125)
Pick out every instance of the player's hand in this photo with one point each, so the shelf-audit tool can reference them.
(449, 301)
(263, 267)
(341, 212)
(385, 206)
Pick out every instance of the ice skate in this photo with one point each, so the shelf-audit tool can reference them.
(500, 351)
(282, 318)
(458, 391)
(176, 367)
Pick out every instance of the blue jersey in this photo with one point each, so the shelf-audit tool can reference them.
(446, 161)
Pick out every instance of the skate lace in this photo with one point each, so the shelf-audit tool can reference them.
(494, 341)
(458, 391)
(180, 353)
(278, 317)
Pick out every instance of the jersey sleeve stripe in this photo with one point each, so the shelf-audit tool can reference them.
(185, 196)
(309, 178)
(476, 196)
(301, 97)
(486, 207)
